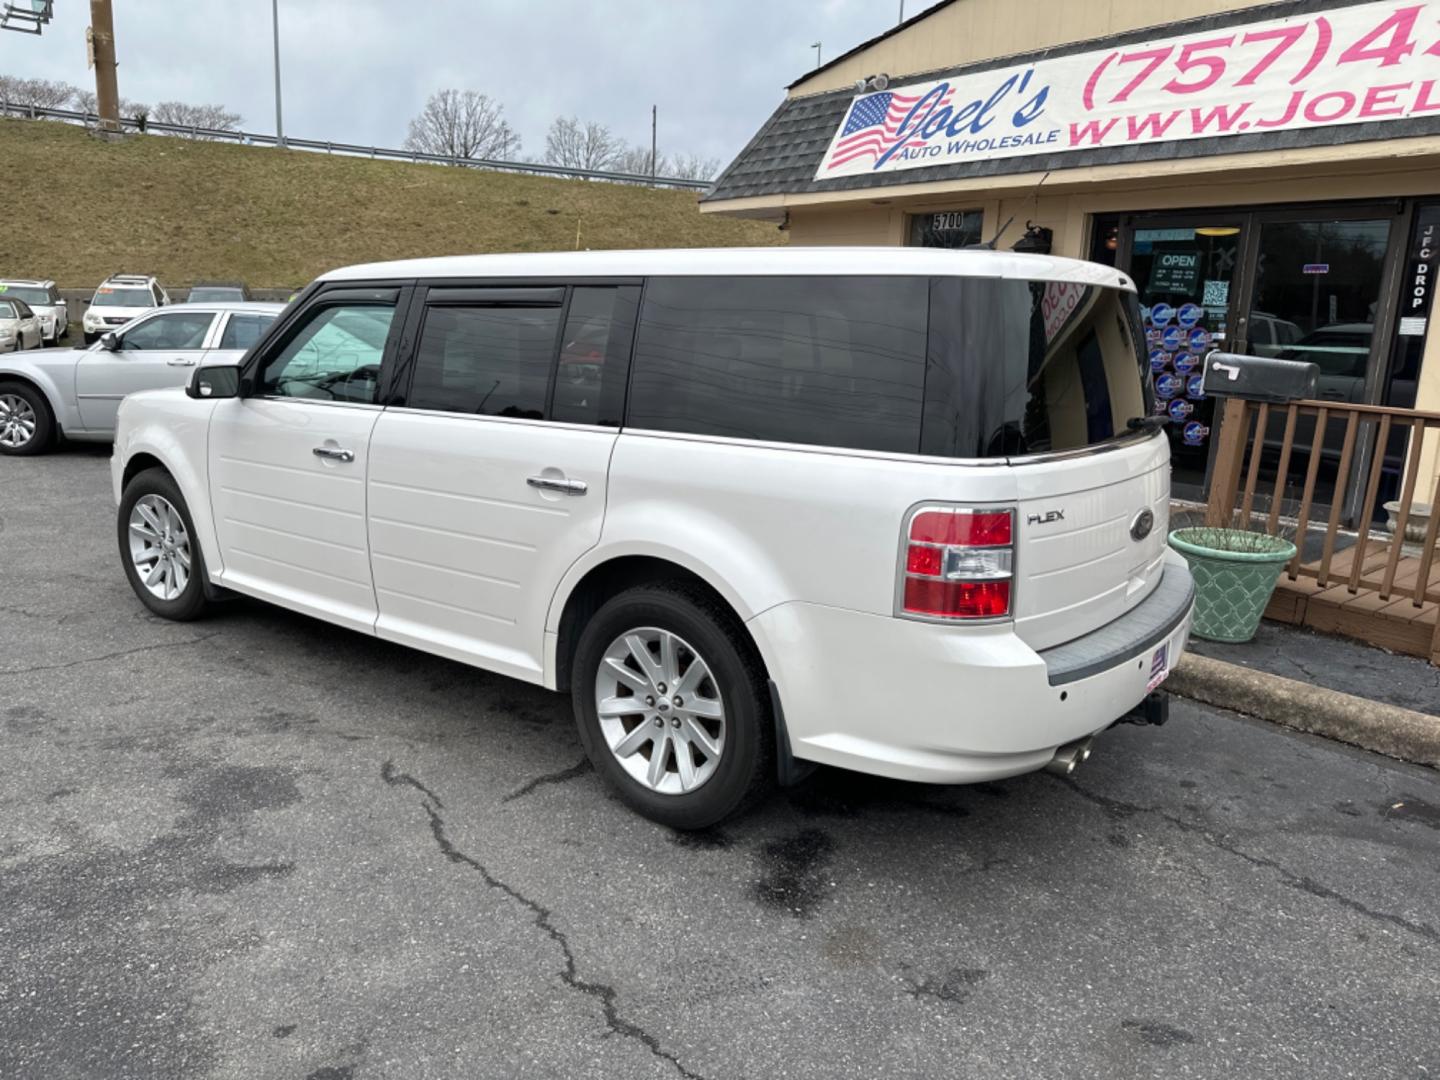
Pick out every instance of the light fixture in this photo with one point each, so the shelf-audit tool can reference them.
(879, 82)
(1217, 230)
(1036, 241)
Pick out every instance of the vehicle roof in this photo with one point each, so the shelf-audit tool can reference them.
(127, 279)
(218, 285)
(695, 262)
(26, 281)
(259, 307)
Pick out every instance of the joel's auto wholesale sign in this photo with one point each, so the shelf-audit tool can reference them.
(1348, 65)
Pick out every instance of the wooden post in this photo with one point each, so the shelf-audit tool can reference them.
(102, 50)
(1225, 481)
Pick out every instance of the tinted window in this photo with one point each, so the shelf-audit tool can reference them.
(242, 331)
(23, 309)
(491, 360)
(214, 293)
(831, 361)
(1030, 367)
(595, 355)
(180, 330)
(334, 357)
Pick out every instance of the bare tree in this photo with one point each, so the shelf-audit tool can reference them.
(35, 93)
(463, 124)
(691, 167)
(84, 101)
(577, 145)
(636, 159)
(213, 117)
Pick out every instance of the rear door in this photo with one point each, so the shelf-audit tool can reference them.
(236, 333)
(288, 462)
(1051, 375)
(155, 352)
(488, 472)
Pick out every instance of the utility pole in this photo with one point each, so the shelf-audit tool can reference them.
(902, 10)
(101, 39)
(816, 47)
(654, 161)
(279, 120)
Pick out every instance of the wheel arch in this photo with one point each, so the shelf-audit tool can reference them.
(589, 585)
(47, 393)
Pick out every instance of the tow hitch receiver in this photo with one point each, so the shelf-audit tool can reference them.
(1155, 709)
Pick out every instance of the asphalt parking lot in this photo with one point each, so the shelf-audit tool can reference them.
(259, 846)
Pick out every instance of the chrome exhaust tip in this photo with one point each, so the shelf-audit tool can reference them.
(1068, 757)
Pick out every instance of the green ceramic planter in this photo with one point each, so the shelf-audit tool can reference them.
(1231, 587)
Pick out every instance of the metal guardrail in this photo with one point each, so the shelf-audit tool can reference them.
(250, 138)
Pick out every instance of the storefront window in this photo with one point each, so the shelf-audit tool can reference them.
(946, 229)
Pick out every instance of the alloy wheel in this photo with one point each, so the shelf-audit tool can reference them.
(17, 421)
(660, 710)
(159, 547)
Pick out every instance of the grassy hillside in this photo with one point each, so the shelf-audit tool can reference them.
(82, 208)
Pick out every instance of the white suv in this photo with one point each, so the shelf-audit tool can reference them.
(897, 510)
(119, 299)
(45, 301)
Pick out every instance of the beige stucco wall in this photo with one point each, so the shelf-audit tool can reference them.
(972, 30)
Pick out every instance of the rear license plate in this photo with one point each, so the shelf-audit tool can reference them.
(1159, 667)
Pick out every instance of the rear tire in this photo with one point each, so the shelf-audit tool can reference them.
(701, 704)
(158, 547)
(26, 426)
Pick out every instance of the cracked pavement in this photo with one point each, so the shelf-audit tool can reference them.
(259, 846)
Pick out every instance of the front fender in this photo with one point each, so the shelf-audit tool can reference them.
(51, 382)
(173, 429)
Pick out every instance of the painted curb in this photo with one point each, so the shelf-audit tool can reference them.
(1385, 729)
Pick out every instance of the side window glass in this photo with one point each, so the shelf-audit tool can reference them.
(178, 330)
(490, 360)
(828, 361)
(242, 331)
(334, 357)
(595, 355)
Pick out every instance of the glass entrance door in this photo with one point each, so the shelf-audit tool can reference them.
(1185, 269)
(1316, 293)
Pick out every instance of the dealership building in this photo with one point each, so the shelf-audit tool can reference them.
(1268, 174)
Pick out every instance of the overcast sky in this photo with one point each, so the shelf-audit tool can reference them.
(357, 70)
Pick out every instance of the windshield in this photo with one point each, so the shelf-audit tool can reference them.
(108, 297)
(29, 293)
(1018, 368)
(211, 293)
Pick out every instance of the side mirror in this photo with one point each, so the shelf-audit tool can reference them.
(1259, 378)
(219, 381)
(109, 342)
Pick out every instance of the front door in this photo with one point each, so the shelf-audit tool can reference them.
(158, 351)
(488, 480)
(1317, 290)
(288, 462)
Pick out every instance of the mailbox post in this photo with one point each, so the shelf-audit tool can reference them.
(1236, 379)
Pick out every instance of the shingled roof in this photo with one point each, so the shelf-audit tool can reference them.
(783, 157)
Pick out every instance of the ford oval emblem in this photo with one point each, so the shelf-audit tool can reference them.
(1141, 526)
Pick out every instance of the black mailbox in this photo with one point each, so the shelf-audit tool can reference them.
(1259, 378)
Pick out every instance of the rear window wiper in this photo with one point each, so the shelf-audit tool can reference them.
(1146, 423)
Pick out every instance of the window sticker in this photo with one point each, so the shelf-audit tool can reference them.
(1195, 388)
(1189, 315)
(1161, 314)
(1180, 409)
(1159, 360)
(1199, 340)
(1216, 294)
(1170, 340)
(1167, 386)
(1195, 433)
(1186, 362)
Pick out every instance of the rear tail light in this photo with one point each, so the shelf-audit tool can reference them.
(959, 563)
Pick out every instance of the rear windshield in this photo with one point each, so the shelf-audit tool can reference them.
(209, 294)
(108, 297)
(29, 293)
(950, 367)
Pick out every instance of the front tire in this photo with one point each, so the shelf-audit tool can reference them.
(158, 547)
(672, 705)
(26, 426)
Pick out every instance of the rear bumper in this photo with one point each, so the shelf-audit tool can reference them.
(917, 701)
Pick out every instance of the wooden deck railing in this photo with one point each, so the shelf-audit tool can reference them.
(1377, 563)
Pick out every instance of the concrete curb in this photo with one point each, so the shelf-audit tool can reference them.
(1385, 729)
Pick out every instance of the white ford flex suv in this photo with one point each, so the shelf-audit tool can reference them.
(897, 510)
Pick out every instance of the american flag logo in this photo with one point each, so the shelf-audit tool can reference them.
(1160, 661)
(873, 125)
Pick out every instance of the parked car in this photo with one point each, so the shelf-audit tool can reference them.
(897, 510)
(44, 299)
(19, 326)
(215, 292)
(119, 299)
(75, 392)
